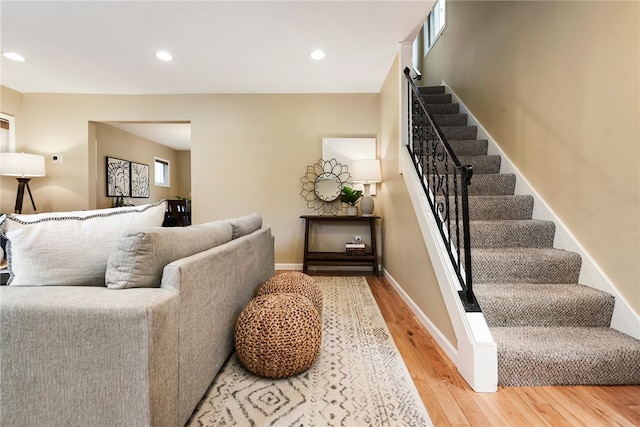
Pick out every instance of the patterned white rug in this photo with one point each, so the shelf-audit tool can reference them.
(358, 379)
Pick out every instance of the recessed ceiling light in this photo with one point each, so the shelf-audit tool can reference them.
(163, 55)
(14, 56)
(317, 54)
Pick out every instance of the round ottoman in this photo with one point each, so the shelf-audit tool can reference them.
(296, 283)
(278, 335)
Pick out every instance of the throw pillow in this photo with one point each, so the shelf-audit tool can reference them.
(69, 248)
(139, 258)
(246, 224)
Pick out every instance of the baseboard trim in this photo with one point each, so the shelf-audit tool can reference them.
(449, 349)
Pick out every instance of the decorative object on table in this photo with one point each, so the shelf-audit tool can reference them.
(278, 335)
(24, 167)
(139, 180)
(359, 379)
(355, 249)
(294, 282)
(367, 172)
(322, 185)
(350, 196)
(118, 177)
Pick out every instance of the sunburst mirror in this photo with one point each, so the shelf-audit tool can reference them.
(322, 185)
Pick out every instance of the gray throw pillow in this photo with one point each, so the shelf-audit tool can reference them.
(246, 224)
(142, 253)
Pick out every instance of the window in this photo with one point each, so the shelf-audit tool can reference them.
(434, 25)
(161, 172)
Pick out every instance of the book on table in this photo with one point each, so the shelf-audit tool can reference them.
(354, 248)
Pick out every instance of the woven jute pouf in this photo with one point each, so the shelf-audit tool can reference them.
(296, 283)
(278, 335)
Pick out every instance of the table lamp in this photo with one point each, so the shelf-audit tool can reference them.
(366, 171)
(23, 167)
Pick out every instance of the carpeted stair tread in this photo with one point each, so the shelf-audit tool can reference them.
(450, 119)
(521, 233)
(430, 90)
(544, 304)
(469, 147)
(443, 108)
(524, 265)
(534, 356)
(459, 132)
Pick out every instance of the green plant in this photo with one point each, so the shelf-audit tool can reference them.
(350, 196)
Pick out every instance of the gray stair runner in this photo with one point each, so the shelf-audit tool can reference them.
(549, 329)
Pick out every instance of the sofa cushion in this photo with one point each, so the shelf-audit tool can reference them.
(69, 248)
(140, 256)
(246, 224)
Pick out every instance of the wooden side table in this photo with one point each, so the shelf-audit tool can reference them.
(340, 258)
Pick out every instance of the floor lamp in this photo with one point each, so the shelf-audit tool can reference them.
(23, 167)
(367, 172)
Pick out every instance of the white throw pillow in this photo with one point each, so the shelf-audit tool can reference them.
(69, 248)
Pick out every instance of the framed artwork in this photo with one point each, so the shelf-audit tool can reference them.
(7, 133)
(118, 177)
(139, 180)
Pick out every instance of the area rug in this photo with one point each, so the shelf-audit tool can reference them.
(358, 379)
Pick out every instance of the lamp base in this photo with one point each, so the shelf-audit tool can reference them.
(366, 204)
(23, 182)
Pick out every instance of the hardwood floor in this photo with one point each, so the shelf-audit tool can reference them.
(451, 402)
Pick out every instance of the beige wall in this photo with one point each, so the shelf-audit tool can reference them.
(11, 103)
(183, 171)
(405, 255)
(248, 151)
(114, 142)
(556, 84)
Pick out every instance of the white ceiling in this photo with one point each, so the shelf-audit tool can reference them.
(107, 47)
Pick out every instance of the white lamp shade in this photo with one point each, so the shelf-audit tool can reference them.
(367, 171)
(21, 165)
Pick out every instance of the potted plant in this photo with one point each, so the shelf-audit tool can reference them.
(350, 196)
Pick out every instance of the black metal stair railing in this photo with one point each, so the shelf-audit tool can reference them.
(445, 182)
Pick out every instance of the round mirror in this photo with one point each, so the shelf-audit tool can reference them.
(328, 187)
(322, 185)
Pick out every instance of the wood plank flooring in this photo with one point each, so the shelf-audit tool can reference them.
(451, 402)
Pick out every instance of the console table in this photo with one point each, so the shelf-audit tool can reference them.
(340, 258)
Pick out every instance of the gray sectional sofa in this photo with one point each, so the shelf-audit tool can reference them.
(135, 343)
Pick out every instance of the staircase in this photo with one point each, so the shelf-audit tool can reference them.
(548, 328)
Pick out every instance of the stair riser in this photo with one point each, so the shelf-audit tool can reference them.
(488, 185)
(544, 305)
(480, 164)
(459, 132)
(450, 119)
(428, 90)
(496, 207)
(488, 266)
(443, 98)
(566, 356)
(443, 108)
(512, 234)
(475, 147)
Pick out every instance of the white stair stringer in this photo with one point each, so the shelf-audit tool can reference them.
(476, 355)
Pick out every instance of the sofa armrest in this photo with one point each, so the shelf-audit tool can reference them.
(214, 285)
(88, 356)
